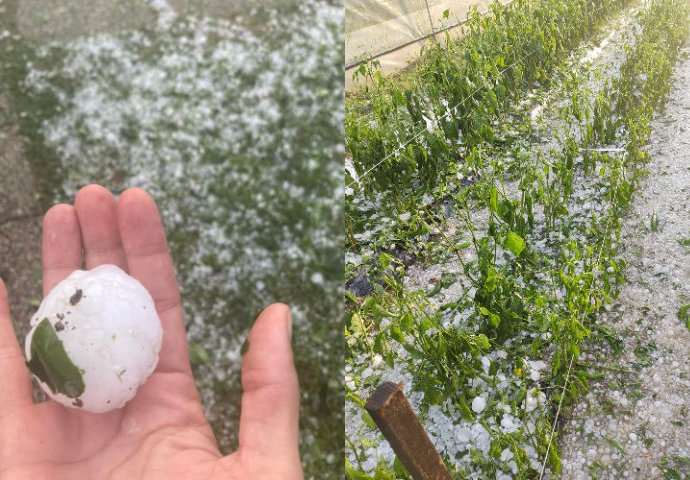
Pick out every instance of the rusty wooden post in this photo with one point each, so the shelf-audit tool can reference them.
(392, 413)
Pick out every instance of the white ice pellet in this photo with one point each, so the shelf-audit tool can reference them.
(486, 364)
(478, 404)
(462, 434)
(109, 328)
(535, 368)
(508, 424)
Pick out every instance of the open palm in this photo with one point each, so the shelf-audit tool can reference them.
(162, 432)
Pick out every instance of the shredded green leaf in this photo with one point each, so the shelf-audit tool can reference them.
(51, 364)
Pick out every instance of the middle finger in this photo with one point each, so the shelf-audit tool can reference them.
(97, 213)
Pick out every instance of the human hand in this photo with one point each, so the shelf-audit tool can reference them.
(162, 432)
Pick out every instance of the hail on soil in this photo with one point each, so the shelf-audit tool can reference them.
(237, 133)
(450, 435)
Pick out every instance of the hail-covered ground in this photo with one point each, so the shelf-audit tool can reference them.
(634, 422)
(234, 124)
(607, 439)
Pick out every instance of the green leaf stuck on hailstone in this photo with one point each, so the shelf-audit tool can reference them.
(51, 364)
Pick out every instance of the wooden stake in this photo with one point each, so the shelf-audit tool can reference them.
(392, 413)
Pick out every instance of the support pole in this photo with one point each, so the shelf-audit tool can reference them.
(392, 413)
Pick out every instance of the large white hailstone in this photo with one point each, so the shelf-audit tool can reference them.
(94, 340)
(478, 404)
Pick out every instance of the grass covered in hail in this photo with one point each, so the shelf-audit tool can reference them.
(484, 198)
(234, 125)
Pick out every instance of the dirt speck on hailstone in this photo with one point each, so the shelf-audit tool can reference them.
(74, 299)
(634, 423)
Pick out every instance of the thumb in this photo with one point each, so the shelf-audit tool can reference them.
(269, 423)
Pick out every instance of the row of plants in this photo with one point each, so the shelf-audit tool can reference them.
(536, 235)
(459, 92)
(407, 136)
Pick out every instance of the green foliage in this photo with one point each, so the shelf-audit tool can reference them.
(654, 223)
(684, 315)
(675, 467)
(529, 301)
(615, 444)
(410, 134)
(198, 354)
(684, 242)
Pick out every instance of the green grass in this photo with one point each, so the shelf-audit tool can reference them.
(675, 467)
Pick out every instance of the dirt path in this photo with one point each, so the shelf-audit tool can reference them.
(20, 225)
(635, 421)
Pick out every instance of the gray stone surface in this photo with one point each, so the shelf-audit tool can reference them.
(48, 20)
(223, 8)
(20, 226)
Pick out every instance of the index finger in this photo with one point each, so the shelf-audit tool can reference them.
(61, 245)
(148, 257)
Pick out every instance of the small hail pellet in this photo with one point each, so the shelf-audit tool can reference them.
(94, 340)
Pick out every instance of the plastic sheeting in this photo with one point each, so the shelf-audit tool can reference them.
(393, 27)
